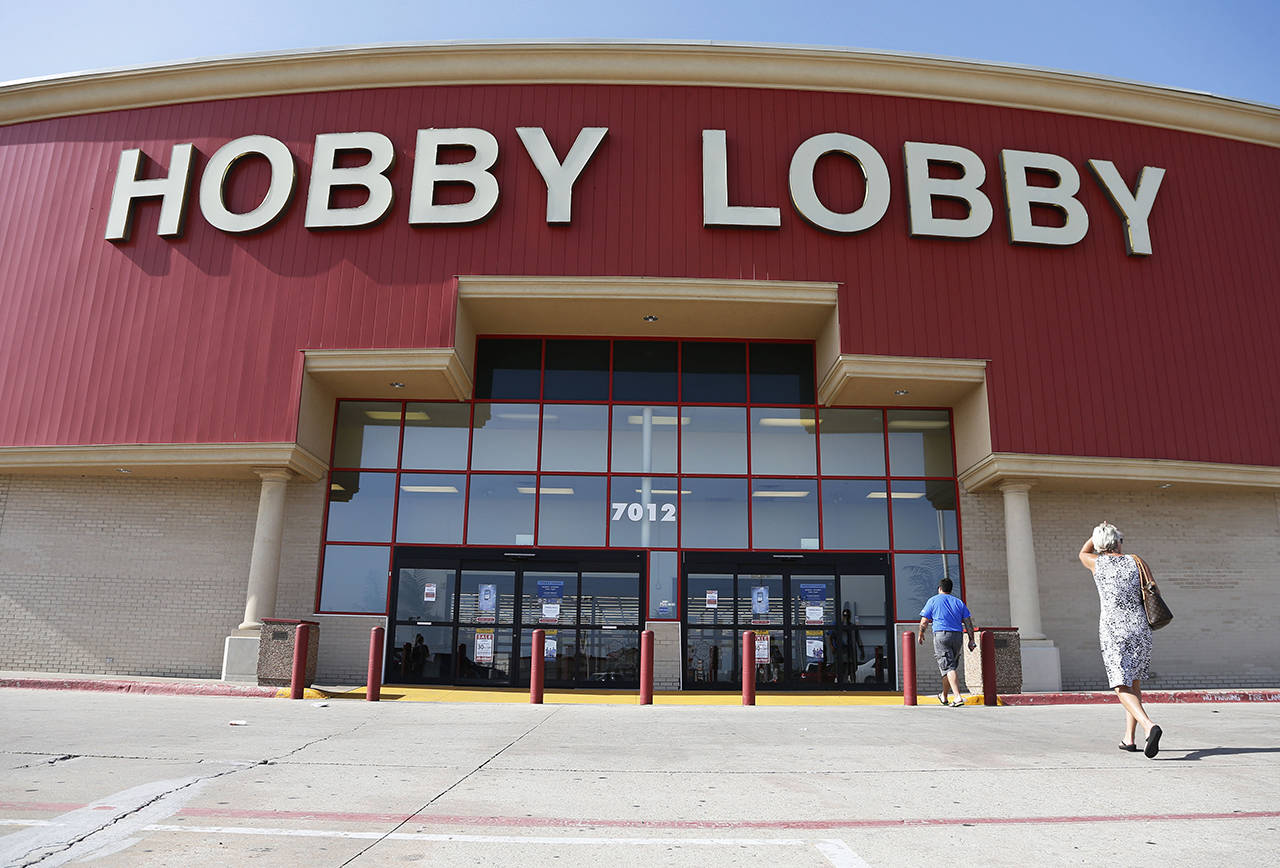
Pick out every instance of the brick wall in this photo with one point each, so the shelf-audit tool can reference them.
(668, 665)
(147, 577)
(1215, 555)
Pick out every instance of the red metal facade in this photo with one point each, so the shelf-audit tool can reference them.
(195, 340)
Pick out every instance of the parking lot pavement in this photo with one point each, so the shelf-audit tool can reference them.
(143, 780)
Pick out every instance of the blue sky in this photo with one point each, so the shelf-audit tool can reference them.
(1226, 47)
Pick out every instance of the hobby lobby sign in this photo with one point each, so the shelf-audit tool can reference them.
(374, 153)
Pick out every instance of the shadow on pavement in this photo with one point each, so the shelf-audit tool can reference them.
(1202, 753)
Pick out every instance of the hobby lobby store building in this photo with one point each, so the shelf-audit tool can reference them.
(471, 340)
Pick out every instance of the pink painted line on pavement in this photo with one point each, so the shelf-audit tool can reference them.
(177, 688)
(1152, 696)
(579, 823)
(567, 822)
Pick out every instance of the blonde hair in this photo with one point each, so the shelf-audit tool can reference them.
(1106, 538)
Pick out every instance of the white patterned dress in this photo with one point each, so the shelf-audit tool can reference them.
(1123, 630)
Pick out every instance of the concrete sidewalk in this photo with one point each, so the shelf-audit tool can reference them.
(145, 780)
(420, 693)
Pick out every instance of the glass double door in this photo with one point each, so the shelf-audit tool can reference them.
(468, 619)
(821, 622)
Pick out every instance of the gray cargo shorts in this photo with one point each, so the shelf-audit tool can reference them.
(946, 649)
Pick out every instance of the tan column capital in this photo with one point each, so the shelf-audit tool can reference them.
(274, 474)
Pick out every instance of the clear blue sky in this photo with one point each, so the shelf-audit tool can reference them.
(1226, 47)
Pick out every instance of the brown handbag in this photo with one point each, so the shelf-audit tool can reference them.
(1158, 612)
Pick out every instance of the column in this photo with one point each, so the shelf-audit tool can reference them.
(240, 651)
(264, 563)
(1041, 666)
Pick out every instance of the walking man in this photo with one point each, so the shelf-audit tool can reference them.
(949, 616)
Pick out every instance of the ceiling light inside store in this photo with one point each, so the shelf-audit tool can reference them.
(785, 422)
(524, 417)
(336, 487)
(663, 491)
(781, 493)
(897, 495)
(657, 420)
(383, 415)
(529, 489)
(917, 424)
(430, 489)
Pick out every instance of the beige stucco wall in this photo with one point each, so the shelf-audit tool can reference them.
(147, 576)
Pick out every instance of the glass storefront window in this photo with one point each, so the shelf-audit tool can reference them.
(435, 436)
(713, 372)
(712, 656)
(643, 511)
(855, 514)
(610, 657)
(920, 443)
(784, 513)
(509, 369)
(644, 371)
(610, 598)
(487, 596)
(500, 509)
(852, 442)
(360, 506)
(367, 434)
(550, 598)
(710, 599)
(916, 578)
(924, 515)
(505, 437)
(644, 438)
(576, 371)
(714, 513)
(354, 579)
(483, 654)
(575, 437)
(431, 508)
(425, 595)
(571, 511)
(714, 440)
(783, 441)
(561, 659)
(664, 584)
(422, 653)
(760, 600)
(781, 373)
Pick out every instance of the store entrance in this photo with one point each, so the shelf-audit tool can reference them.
(466, 617)
(821, 621)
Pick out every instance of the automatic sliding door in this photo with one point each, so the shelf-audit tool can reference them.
(486, 627)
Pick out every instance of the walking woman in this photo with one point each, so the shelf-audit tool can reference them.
(1123, 630)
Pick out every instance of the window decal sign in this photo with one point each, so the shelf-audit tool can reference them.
(762, 648)
(813, 596)
(550, 594)
(713, 599)
(549, 645)
(760, 604)
(429, 593)
(487, 603)
(813, 645)
(484, 646)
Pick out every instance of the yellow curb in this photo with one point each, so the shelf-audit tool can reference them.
(415, 693)
(307, 693)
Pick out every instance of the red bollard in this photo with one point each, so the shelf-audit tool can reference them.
(749, 667)
(646, 667)
(377, 641)
(987, 642)
(299, 674)
(537, 664)
(909, 668)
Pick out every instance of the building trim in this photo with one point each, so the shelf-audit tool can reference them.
(1091, 473)
(946, 379)
(639, 63)
(369, 373)
(180, 460)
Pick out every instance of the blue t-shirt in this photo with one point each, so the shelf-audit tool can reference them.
(946, 612)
